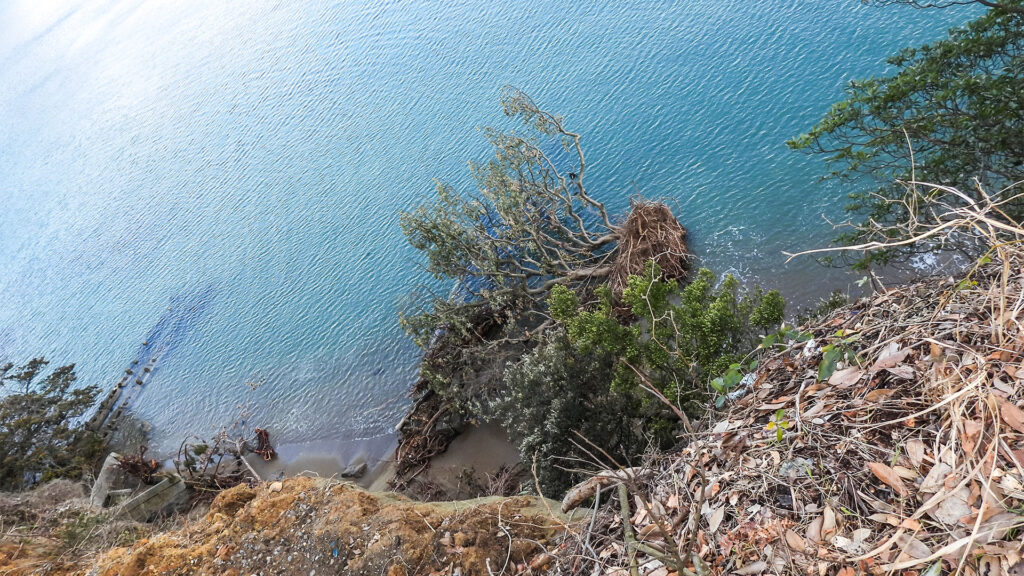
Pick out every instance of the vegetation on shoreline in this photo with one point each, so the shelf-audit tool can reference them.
(41, 437)
(884, 436)
(570, 326)
(952, 113)
(613, 378)
(906, 459)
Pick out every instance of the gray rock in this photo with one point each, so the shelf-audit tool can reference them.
(796, 468)
(355, 470)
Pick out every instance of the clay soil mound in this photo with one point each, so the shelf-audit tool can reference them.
(306, 525)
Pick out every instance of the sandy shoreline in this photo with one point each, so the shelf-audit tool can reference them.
(481, 449)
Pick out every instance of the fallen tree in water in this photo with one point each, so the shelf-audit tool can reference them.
(532, 226)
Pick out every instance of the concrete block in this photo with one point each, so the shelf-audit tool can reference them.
(166, 495)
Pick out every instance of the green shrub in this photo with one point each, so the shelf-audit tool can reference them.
(556, 396)
(40, 436)
(586, 379)
(676, 340)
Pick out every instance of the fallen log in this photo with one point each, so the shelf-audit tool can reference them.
(585, 490)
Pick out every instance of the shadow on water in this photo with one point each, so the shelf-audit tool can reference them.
(183, 312)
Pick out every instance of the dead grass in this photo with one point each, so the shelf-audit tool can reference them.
(53, 530)
(306, 524)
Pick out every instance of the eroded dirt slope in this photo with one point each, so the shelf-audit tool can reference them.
(316, 526)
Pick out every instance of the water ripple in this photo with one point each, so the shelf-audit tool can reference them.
(150, 148)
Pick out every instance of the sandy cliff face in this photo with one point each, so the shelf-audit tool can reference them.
(316, 526)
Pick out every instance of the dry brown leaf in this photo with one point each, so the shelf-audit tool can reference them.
(855, 544)
(1012, 415)
(795, 541)
(846, 377)
(759, 567)
(645, 532)
(878, 395)
(911, 547)
(911, 524)
(997, 527)
(828, 523)
(936, 477)
(989, 566)
(1002, 389)
(905, 473)
(1018, 455)
(814, 530)
(716, 519)
(952, 507)
(889, 476)
(969, 435)
(890, 358)
(903, 371)
(915, 451)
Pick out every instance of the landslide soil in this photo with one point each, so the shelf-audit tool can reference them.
(317, 526)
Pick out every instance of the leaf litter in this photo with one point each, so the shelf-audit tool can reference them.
(908, 459)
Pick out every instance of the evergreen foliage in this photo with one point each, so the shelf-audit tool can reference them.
(675, 339)
(530, 225)
(565, 326)
(587, 380)
(558, 395)
(958, 104)
(40, 438)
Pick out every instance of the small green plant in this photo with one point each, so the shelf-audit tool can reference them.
(834, 353)
(732, 378)
(779, 424)
(737, 371)
(79, 530)
(784, 336)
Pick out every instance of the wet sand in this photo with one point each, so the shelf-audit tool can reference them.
(328, 458)
(482, 449)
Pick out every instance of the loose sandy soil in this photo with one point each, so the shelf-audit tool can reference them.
(318, 526)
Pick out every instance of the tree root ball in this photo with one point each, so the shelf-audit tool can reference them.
(651, 232)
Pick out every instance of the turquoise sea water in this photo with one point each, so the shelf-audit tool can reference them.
(224, 178)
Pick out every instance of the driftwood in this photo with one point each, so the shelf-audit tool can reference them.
(219, 463)
(263, 447)
(585, 490)
(137, 465)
